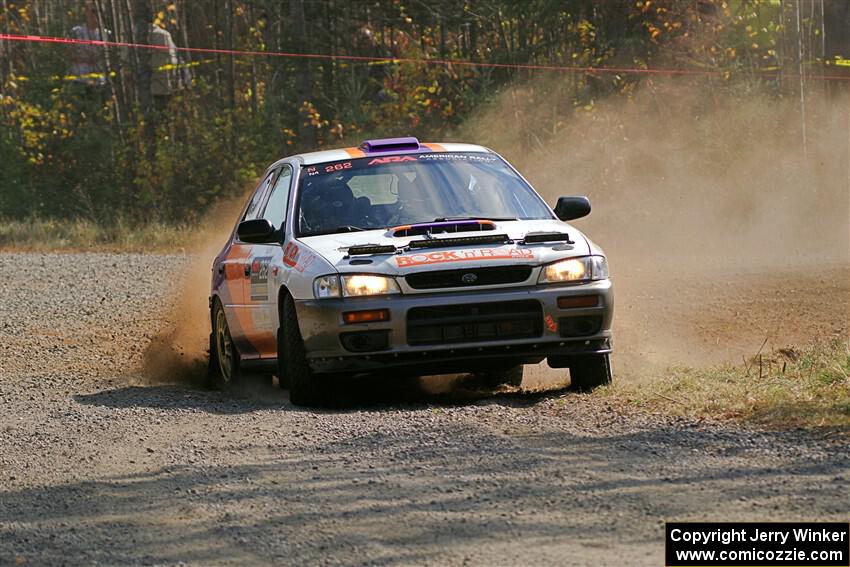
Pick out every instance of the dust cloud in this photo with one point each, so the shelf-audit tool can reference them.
(718, 220)
(179, 352)
(725, 232)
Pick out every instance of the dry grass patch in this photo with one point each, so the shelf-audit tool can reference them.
(785, 388)
(79, 235)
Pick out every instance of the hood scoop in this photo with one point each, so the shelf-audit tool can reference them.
(460, 241)
(533, 237)
(442, 227)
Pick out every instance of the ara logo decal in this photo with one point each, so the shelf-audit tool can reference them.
(260, 278)
(391, 159)
(464, 256)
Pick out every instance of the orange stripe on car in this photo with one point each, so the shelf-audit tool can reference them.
(355, 152)
(434, 147)
(265, 344)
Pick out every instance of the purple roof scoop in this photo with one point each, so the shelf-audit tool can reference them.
(390, 144)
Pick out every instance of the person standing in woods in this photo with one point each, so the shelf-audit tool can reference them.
(164, 80)
(86, 64)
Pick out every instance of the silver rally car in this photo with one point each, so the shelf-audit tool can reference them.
(406, 257)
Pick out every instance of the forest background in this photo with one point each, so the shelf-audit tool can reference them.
(113, 155)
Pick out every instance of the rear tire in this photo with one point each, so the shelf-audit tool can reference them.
(224, 368)
(494, 379)
(589, 372)
(305, 387)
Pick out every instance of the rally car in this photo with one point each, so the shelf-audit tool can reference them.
(406, 257)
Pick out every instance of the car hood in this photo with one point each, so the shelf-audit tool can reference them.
(334, 248)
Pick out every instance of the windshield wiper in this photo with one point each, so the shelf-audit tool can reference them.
(447, 219)
(344, 228)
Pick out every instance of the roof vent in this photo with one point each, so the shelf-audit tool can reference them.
(390, 145)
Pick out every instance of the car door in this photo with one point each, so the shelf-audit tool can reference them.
(236, 269)
(266, 261)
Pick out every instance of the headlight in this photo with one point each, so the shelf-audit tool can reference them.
(582, 269)
(326, 286)
(362, 284)
(354, 285)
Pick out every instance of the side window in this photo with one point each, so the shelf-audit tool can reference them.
(275, 211)
(253, 210)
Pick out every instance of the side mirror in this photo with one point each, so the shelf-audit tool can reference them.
(257, 231)
(569, 208)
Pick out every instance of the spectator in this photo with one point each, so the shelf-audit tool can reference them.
(164, 65)
(86, 61)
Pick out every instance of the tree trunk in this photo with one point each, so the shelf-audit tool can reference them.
(6, 48)
(231, 64)
(117, 107)
(303, 77)
(144, 73)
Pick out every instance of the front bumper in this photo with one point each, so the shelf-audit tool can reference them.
(321, 323)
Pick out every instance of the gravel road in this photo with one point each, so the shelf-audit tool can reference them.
(98, 467)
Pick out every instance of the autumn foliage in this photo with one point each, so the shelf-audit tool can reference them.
(103, 153)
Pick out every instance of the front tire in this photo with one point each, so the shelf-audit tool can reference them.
(282, 373)
(224, 369)
(589, 372)
(305, 387)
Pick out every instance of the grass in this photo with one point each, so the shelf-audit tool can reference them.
(79, 235)
(785, 388)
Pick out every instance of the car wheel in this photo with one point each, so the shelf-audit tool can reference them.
(224, 368)
(497, 378)
(282, 374)
(305, 387)
(589, 372)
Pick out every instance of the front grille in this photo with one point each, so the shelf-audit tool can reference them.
(474, 322)
(477, 276)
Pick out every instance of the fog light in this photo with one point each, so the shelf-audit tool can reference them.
(579, 326)
(370, 316)
(365, 341)
(575, 301)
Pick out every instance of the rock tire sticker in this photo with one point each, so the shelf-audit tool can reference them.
(464, 256)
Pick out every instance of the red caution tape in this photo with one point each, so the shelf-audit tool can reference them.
(460, 63)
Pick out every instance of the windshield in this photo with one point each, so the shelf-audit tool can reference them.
(380, 192)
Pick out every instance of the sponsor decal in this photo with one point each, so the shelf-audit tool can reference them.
(440, 257)
(312, 170)
(290, 254)
(550, 324)
(294, 258)
(391, 159)
(260, 278)
(458, 157)
(304, 261)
